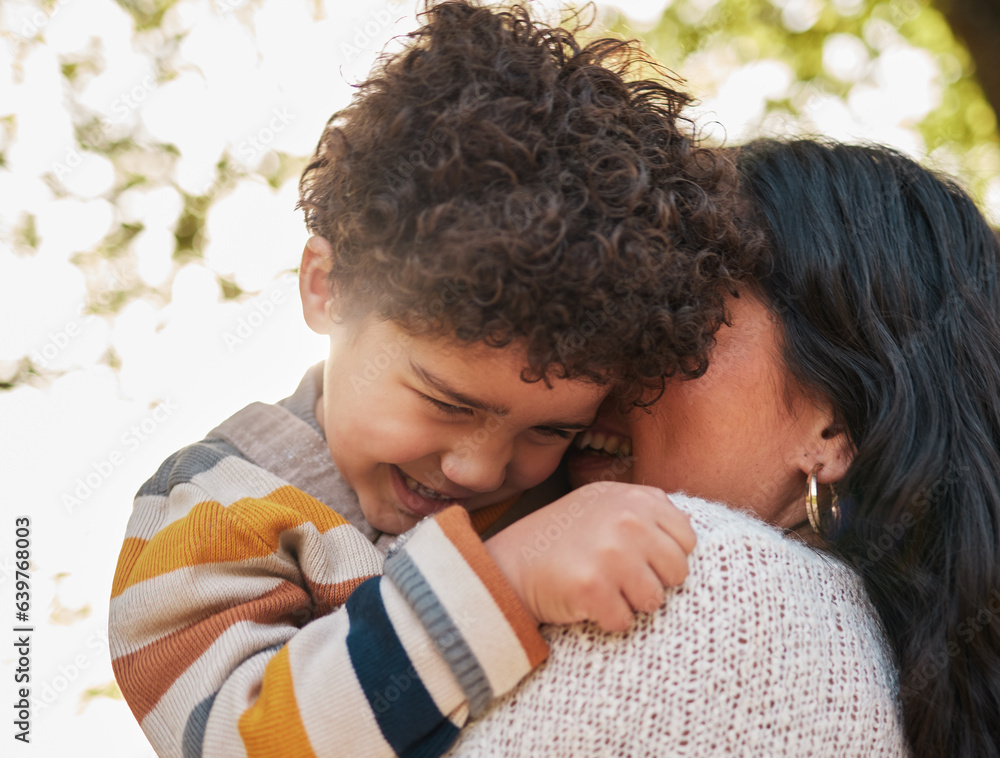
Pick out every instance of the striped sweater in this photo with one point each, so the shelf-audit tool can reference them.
(250, 614)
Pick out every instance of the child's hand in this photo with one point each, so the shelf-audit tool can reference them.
(602, 552)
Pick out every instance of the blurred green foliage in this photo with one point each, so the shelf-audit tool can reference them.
(147, 13)
(745, 31)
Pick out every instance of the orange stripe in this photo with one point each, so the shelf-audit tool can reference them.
(329, 597)
(258, 512)
(249, 528)
(484, 518)
(455, 524)
(131, 550)
(273, 725)
(147, 674)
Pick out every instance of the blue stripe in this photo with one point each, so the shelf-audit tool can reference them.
(443, 630)
(405, 712)
(197, 722)
(187, 463)
(194, 730)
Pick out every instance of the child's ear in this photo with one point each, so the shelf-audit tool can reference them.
(314, 286)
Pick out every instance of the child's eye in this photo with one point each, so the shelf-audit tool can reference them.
(451, 410)
(551, 431)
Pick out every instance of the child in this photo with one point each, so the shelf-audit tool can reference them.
(496, 239)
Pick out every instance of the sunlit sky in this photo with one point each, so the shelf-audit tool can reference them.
(249, 80)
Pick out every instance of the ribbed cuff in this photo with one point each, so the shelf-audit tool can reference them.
(441, 628)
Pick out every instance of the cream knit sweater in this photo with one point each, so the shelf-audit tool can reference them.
(768, 649)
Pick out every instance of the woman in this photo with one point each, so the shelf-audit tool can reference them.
(853, 401)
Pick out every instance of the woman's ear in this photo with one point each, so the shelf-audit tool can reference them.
(827, 444)
(314, 285)
(836, 456)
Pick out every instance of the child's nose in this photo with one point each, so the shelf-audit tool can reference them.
(480, 471)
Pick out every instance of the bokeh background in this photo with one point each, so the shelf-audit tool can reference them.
(149, 154)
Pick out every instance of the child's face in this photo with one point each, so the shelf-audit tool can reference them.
(417, 424)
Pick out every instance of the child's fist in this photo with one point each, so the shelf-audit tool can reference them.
(602, 552)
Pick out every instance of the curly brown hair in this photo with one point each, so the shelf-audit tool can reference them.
(498, 181)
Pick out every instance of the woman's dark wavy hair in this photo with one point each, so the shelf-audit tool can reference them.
(884, 277)
(497, 180)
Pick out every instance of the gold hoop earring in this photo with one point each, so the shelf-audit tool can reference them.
(834, 511)
(812, 501)
(812, 504)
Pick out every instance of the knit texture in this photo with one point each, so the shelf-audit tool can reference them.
(769, 648)
(249, 615)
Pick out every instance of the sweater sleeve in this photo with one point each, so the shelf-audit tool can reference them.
(248, 618)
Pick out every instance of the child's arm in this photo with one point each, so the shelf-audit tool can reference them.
(247, 618)
(600, 553)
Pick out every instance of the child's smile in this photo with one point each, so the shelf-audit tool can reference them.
(418, 498)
